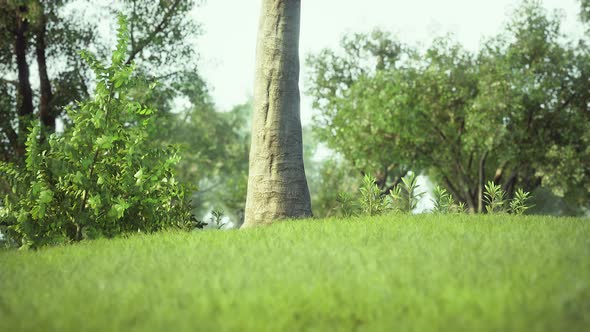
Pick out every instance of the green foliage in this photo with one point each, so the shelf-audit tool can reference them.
(327, 179)
(410, 196)
(585, 11)
(495, 198)
(104, 176)
(459, 116)
(214, 147)
(518, 205)
(346, 204)
(396, 199)
(371, 201)
(404, 197)
(160, 44)
(216, 219)
(443, 201)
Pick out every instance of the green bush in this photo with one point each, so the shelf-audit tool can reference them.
(103, 176)
(371, 201)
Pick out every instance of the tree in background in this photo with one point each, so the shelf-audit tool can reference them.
(277, 187)
(46, 36)
(215, 147)
(515, 113)
(585, 10)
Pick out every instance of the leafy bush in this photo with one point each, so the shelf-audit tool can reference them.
(346, 204)
(102, 177)
(401, 198)
(443, 201)
(396, 199)
(372, 203)
(519, 203)
(410, 195)
(494, 198)
(404, 198)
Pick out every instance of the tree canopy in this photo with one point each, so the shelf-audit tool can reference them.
(514, 112)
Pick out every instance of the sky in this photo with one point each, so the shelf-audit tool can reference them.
(227, 47)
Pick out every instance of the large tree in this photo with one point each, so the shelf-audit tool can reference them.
(516, 113)
(277, 187)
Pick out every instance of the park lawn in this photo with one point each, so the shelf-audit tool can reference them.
(422, 273)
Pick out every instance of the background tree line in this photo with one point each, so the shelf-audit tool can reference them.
(515, 112)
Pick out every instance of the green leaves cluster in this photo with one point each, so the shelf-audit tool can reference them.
(103, 176)
(402, 197)
(497, 202)
(444, 202)
(371, 201)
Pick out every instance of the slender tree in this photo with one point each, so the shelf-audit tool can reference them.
(277, 187)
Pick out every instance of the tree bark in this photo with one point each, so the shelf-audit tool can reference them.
(24, 92)
(277, 187)
(46, 114)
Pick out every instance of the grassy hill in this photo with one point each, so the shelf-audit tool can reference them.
(424, 273)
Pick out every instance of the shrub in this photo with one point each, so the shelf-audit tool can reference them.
(443, 201)
(396, 200)
(346, 204)
(494, 198)
(410, 195)
(103, 176)
(372, 203)
(518, 205)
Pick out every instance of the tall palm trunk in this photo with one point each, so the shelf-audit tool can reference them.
(277, 187)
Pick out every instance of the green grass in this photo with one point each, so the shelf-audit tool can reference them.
(423, 273)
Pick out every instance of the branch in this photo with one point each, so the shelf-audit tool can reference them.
(13, 82)
(143, 43)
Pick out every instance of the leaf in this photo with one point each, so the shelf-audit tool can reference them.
(95, 202)
(106, 141)
(78, 178)
(46, 196)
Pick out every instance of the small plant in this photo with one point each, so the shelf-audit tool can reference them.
(443, 201)
(346, 204)
(494, 198)
(371, 201)
(216, 217)
(519, 203)
(396, 199)
(460, 208)
(409, 194)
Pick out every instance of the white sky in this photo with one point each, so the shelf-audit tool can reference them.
(227, 48)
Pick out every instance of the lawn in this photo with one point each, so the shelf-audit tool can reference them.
(422, 273)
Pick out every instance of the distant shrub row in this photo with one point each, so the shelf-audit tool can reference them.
(404, 198)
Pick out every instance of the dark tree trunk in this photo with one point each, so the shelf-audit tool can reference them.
(46, 113)
(24, 92)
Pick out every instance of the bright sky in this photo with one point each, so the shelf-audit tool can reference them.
(227, 48)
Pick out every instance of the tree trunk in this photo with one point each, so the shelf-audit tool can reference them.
(46, 114)
(24, 92)
(277, 187)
